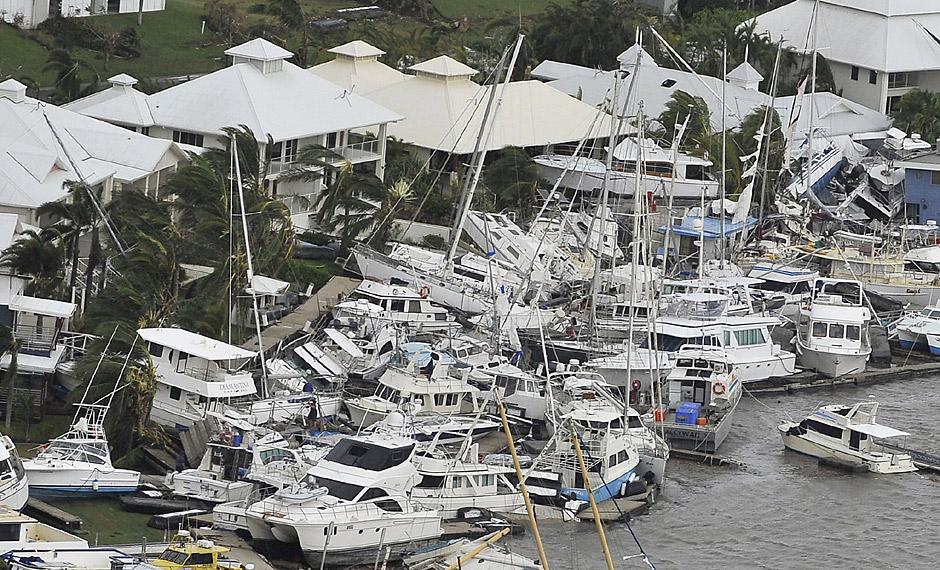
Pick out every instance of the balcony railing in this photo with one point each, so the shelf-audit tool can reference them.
(35, 340)
(355, 153)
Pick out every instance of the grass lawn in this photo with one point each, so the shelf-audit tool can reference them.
(489, 8)
(19, 56)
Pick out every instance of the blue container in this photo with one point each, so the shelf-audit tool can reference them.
(687, 413)
(237, 439)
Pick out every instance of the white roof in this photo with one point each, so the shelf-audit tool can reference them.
(884, 35)
(259, 49)
(40, 306)
(443, 66)
(877, 430)
(194, 344)
(357, 48)
(34, 164)
(9, 227)
(745, 72)
(654, 85)
(446, 114)
(261, 285)
(121, 103)
(286, 104)
(343, 342)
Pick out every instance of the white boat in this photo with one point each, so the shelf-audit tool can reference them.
(79, 461)
(522, 393)
(704, 390)
(791, 284)
(444, 390)
(451, 483)
(451, 554)
(395, 304)
(686, 178)
(350, 503)
(21, 532)
(912, 329)
(14, 486)
(832, 337)
(845, 435)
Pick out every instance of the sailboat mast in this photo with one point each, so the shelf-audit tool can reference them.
(724, 153)
(812, 104)
(251, 268)
(485, 131)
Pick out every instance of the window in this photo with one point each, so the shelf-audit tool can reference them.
(431, 482)
(749, 337)
(181, 363)
(825, 429)
(145, 131)
(156, 350)
(331, 140)
(414, 306)
(290, 150)
(935, 177)
(184, 137)
(456, 482)
(668, 83)
(373, 493)
(836, 331)
(893, 103)
(854, 73)
(873, 77)
(853, 332)
(389, 506)
(197, 558)
(819, 330)
(274, 151)
(900, 80)
(398, 305)
(175, 393)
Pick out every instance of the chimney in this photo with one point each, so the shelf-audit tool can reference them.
(13, 90)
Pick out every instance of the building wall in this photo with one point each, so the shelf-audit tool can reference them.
(32, 12)
(922, 195)
(860, 90)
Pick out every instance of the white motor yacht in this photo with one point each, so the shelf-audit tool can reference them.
(443, 389)
(522, 393)
(14, 487)
(704, 390)
(912, 329)
(79, 461)
(395, 304)
(832, 337)
(845, 435)
(354, 500)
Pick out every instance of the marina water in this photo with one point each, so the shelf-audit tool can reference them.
(782, 510)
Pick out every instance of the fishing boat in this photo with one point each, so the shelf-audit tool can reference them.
(79, 461)
(832, 337)
(912, 329)
(14, 486)
(185, 553)
(846, 435)
(704, 390)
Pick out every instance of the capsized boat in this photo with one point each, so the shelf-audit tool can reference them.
(14, 487)
(845, 435)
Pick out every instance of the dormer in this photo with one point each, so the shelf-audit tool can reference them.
(357, 50)
(262, 54)
(745, 76)
(13, 90)
(628, 59)
(122, 82)
(443, 68)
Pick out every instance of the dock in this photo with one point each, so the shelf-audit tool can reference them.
(311, 310)
(54, 516)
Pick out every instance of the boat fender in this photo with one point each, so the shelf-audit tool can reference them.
(425, 291)
(718, 388)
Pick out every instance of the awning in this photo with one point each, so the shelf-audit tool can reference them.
(343, 342)
(40, 306)
(261, 285)
(878, 430)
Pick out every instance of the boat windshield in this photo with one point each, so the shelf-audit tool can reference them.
(366, 455)
(338, 489)
(91, 451)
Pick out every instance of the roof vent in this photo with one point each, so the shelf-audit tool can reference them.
(13, 90)
(669, 83)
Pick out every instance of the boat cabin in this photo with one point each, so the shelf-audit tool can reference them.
(850, 426)
(697, 377)
(399, 304)
(195, 375)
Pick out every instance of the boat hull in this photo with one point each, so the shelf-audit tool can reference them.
(884, 463)
(705, 439)
(588, 176)
(52, 481)
(15, 493)
(830, 364)
(358, 541)
(914, 297)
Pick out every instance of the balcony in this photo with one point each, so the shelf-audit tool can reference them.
(37, 341)
(355, 153)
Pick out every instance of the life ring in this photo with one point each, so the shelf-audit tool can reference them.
(718, 388)
(636, 385)
(425, 291)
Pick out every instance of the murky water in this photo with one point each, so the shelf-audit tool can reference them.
(783, 510)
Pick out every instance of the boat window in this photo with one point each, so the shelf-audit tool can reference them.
(339, 489)
(389, 505)
(634, 422)
(727, 339)
(373, 493)
(17, 465)
(269, 455)
(431, 482)
(819, 330)
(365, 455)
(843, 411)
(749, 337)
(485, 480)
(155, 350)
(398, 305)
(5, 469)
(825, 429)
(10, 532)
(699, 363)
(456, 482)
(174, 556)
(684, 363)
(836, 331)
(199, 558)
(414, 306)
(853, 332)
(175, 393)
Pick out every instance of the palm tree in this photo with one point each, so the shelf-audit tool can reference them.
(291, 15)
(38, 255)
(919, 112)
(513, 179)
(8, 343)
(68, 76)
(72, 219)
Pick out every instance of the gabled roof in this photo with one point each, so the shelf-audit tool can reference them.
(745, 73)
(356, 49)
(884, 35)
(259, 49)
(121, 103)
(443, 66)
(287, 104)
(40, 142)
(627, 59)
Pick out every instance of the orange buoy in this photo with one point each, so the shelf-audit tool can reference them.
(658, 414)
(702, 421)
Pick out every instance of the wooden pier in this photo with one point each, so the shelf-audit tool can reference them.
(54, 516)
